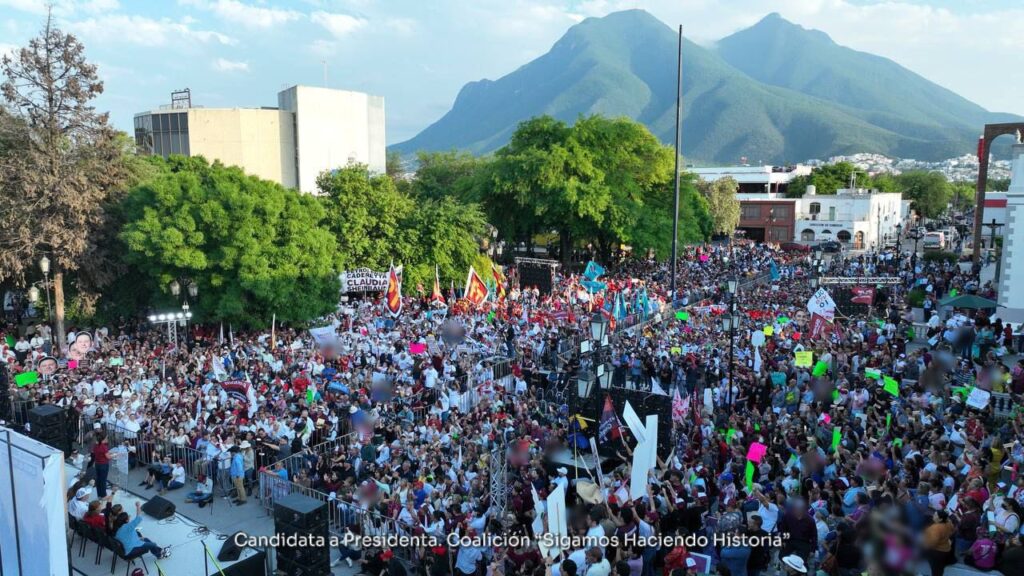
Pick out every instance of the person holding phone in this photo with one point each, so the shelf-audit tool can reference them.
(126, 532)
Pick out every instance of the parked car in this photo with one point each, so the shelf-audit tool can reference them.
(831, 246)
(794, 247)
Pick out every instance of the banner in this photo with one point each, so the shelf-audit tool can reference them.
(821, 303)
(499, 283)
(436, 295)
(325, 336)
(363, 280)
(393, 293)
(476, 290)
(242, 391)
(862, 295)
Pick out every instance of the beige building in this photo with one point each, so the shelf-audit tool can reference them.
(315, 129)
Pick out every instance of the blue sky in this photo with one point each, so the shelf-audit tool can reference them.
(419, 53)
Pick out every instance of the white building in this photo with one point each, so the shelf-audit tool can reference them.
(1012, 265)
(859, 218)
(770, 181)
(312, 130)
(334, 128)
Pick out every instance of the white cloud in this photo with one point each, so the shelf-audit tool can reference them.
(145, 31)
(224, 65)
(7, 49)
(244, 14)
(62, 7)
(339, 25)
(404, 26)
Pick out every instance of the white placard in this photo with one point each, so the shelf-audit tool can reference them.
(978, 398)
(557, 522)
(757, 339)
(633, 421)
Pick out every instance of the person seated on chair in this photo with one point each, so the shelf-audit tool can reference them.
(135, 545)
(96, 515)
(175, 480)
(159, 471)
(204, 492)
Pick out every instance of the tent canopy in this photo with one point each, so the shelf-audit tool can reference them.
(969, 301)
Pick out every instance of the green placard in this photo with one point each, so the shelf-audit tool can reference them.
(748, 475)
(682, 315)
(872, 373)
(820, 368)
(26, 378)
(891, 386)
(837, 438)
(729, 434)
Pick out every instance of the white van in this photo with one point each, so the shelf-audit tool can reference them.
(934, 241)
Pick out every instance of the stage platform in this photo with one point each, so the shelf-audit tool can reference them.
(182, 532)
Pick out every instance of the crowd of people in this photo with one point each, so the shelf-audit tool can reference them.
(405, 420)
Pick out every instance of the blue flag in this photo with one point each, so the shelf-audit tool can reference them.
(593, 270)
(593, 286)
(775, 271)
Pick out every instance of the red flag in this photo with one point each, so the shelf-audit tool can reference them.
(499, 282)
(862, 295)
(820, 326)
(678, 407)
(437, 296)
(393, 295)
(609, 428)
(476, 290)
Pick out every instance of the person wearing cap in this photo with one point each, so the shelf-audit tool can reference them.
(79, 505)
(561, 479)
(237, 474)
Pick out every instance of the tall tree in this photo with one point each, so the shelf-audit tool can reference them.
(929, 192)
(723, 204)
(65, 167)
(254, 247)
(441, 174)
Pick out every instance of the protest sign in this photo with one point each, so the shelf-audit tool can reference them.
(804, 359)
(363, 280)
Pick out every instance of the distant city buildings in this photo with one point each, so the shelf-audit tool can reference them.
(961, 168)
(310, 131)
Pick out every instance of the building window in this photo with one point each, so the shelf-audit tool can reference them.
(843, 236)
(782, 212)
(815, 208)
(750, 212)
(831, 213)
(778, 234)
(807, 235)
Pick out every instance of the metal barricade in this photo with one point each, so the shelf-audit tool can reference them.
(1002, 405)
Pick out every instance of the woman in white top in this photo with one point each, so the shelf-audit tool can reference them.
(1008, 517)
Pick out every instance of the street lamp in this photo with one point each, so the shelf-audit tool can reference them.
(598, 328)
(44, 267)
(729, 325)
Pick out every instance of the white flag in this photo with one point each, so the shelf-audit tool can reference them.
(821, 303)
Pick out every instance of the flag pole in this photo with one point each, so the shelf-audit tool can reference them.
(675, 202)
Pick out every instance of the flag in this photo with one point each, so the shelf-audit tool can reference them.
(250, 396)
(476, 290)
(678, 408)
(273, 332)
(609, 429)
(774, 271)
(748, 475)
(837, 437)
(891, 386)
(821, 303)
(820, 326)
(593, 270)
(393, 294)
(499, 283)
(221, 339)
(436, 296)
(311, 393)
(862, 295)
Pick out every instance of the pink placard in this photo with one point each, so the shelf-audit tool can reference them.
(417, 348)
(756, 452)
(826, 418)
(703, 257)
(72, 364)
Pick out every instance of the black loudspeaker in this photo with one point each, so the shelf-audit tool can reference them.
(541, 275)
(301, 515)
(159, 508)
(230, 551)
(48, 424)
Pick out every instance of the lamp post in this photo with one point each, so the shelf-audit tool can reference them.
(729, 324)
(44, 267)
(172, 319)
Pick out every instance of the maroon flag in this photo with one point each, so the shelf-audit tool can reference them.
(862, 295)
(609, 428)
(820, 326)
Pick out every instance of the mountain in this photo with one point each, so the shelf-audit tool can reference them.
(624, 65)
(779, 53)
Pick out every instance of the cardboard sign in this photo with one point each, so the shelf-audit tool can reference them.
(978, 398)
(820, 369)
(804, 359)
(756, 452)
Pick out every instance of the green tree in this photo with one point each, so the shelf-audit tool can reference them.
(997, 184)
(254, 247)
(929, 192)
(964, 195)
(60, 166)
(443, 174)
(722, 202)
(376, 224)
(826, 179)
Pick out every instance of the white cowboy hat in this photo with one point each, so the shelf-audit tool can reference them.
(796, 563)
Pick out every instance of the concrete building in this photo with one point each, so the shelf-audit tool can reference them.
(770, 180)
(859, 218)
(1012, 259)
(311, 130)
(766, 219)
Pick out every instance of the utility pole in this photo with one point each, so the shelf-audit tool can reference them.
(675, 201)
